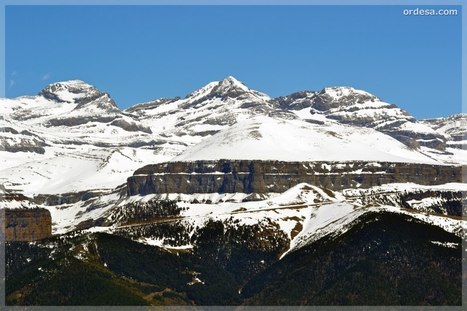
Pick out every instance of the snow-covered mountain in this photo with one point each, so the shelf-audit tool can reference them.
(359, 108)
(206, 111)
(72, 138)
(233, 183)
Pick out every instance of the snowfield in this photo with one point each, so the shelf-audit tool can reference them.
(262, 138)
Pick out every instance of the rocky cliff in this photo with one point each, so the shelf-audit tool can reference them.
(26, 224)
(258, 177)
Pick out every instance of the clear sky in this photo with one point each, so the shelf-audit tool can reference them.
(139, 53)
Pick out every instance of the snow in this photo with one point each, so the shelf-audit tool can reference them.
(445, 244)
(152, 241)
(214, 198)
(324, 220)
(287, 226)
(66, 216)
(401, 187)
(264, 138)
(195, 280)
(454, 156)
(92, 168)
(342, 91)
(99, 229)
(232, 83)
(297, 208)
(447, 223)
(452, 125)
(202, 92)
(299, 194)
(417, 128)
(160, 242)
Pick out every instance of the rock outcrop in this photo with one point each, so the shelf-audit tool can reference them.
(26, 224)
(359, 108)
(258, 177)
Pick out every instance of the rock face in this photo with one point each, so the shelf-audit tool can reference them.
(27, 224)
(359, 108)
(454, 128)
(258, 177)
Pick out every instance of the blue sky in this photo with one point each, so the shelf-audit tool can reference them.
(139, 53)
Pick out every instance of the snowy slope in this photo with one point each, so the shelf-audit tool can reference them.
(83, 168)
(72, 137)
(265, 138)
(304, 213)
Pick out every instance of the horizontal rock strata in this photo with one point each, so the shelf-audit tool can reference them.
(254, 176)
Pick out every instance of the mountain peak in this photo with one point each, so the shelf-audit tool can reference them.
(69, 85)
(69, 91)
(75, 82)
(231, 81)
(337, 92)
(229, 87)
(341, 96)
(85, 95)
(233, 88)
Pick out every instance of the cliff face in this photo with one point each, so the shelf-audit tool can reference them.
(26, 224)
(254, 176)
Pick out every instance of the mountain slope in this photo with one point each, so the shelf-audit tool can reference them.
(294, 140)
(454, 128)
(384, 260)
(206, 111)
(359, 108)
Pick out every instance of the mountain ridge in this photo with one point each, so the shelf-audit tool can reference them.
(78, 130)
(77, 85)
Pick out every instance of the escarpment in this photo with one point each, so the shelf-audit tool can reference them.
(255, 176)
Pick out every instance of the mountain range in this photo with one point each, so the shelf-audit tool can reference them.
(256, 188)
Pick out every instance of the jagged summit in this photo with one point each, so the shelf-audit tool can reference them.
(74, 83)
(341, 96)
(339, 91)
(227, 88)
(233, 88)
(230, 83)
(68, 91)
(219, 105)
(83, 94)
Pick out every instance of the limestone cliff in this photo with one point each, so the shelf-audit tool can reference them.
(254, 176)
